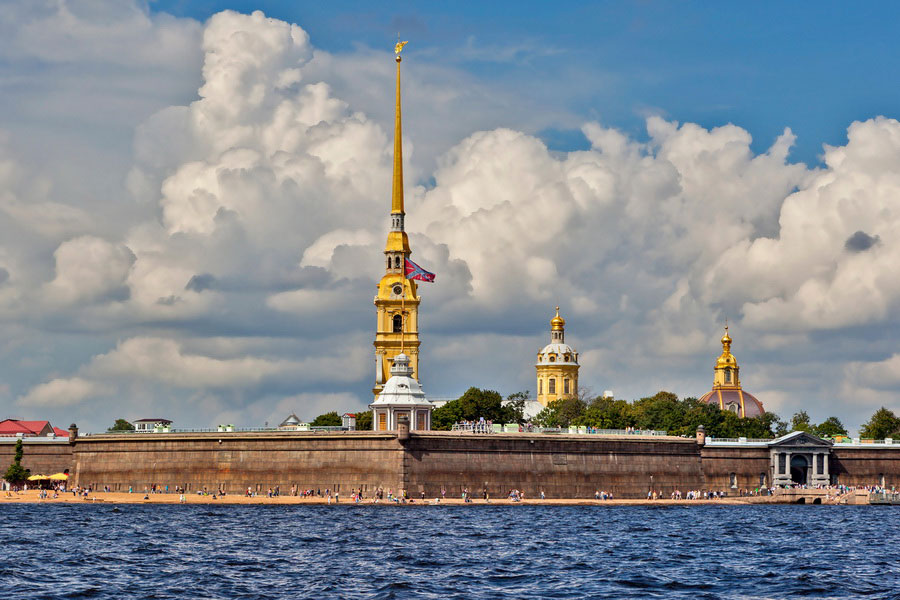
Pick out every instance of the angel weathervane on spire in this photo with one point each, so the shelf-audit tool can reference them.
(399, 46)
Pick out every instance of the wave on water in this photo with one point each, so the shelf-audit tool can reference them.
(265, 552)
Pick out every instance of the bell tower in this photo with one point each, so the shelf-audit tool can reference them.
(557, 365)
(727, 371)
(397, 300)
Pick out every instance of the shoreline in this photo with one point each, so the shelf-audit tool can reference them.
(31, 497)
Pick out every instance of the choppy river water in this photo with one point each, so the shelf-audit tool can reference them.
(265, 552)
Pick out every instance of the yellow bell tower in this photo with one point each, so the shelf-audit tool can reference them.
(396, 303)
(557, 365)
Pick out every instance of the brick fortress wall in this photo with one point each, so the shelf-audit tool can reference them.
(236, 461)
(562, 466)
(40, 457)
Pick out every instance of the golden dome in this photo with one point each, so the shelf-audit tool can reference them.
(557, 323)
(727, 358)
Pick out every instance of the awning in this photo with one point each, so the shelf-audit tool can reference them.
(38, 478)
(58, 477)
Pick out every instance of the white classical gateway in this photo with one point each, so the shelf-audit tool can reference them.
(401, 395)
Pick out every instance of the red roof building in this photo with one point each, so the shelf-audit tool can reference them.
(13, 427)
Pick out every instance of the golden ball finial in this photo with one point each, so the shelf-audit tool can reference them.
(557, 322)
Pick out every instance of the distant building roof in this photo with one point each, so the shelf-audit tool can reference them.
(60, 432)
(290, 421)
(14, 426)
(349, 415)
(157, 420)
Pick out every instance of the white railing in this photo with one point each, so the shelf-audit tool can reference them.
(488, 427)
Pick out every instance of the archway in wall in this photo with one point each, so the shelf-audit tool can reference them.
(799, 469)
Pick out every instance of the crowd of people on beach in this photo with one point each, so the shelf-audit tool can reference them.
(380, 495)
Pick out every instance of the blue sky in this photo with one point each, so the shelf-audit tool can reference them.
(813, 67)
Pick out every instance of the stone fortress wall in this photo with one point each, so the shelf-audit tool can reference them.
(562, 466)
(39, 455)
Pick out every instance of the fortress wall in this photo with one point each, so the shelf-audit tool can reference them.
(337, 461)
(561, 466)
(41, 457)
(865, 466)
(746, 463)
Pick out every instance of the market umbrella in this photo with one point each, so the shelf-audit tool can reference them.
(38, 478)
(58, 477)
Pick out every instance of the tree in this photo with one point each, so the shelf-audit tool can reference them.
(364, 421)
(121, 425)
(472, 406)
(884, 423)
(800, 422)
(514, 407)
(562, 412)
(16, 473)
(329, 419)
(830, 427)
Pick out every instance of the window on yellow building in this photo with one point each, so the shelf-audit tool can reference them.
(540, 386)
(551, 385)
(398, 323)
(382, 421)
(566, 386)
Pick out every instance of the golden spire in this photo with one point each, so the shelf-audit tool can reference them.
(557, 323)
(397, 187)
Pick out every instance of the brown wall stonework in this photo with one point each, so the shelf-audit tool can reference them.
(562, 466)
(236, 461)
(746, 463)
(862, 466)
(41, 458)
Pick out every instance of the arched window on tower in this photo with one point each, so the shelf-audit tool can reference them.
(566, 385)
(551, 385)
(396, 262)
(540, 387)
(398, 323)
(727, 375)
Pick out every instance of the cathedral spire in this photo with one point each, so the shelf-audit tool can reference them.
(397, 186)
(397, 240)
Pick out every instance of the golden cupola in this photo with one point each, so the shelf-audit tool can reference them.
(726, 392)
(557, 365)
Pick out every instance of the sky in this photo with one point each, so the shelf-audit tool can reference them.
(194, 199)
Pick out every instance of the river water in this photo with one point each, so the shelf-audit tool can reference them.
(467, 552)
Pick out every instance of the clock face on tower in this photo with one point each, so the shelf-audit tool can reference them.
(398, 289)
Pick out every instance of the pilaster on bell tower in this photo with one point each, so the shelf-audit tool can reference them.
(397, 301)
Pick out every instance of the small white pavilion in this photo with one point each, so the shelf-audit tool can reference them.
(401, 395)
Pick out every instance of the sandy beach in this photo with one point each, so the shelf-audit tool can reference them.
(32, 496)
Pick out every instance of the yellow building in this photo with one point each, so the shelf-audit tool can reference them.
(557, 365)
(727, 393)
(396, 303)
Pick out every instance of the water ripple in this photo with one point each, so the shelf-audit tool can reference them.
(362, 552)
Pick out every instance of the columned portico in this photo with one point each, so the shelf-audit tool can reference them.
(801, 459)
